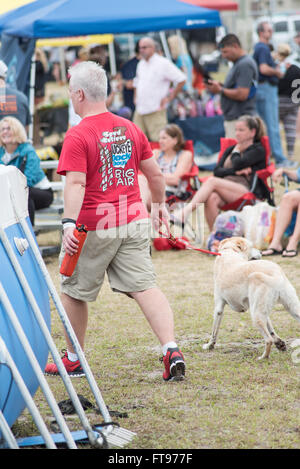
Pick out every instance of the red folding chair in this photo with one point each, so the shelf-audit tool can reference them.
(190, 231)
(262, 174)
(192, 177)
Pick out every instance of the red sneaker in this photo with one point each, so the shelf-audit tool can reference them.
(74, 369)
(174, 365)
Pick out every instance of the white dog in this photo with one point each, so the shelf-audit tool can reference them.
(257, 285)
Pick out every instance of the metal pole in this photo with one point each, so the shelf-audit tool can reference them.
(31, 97)
(62, 62)
(96, 441)
(112, 59)
(165, 46)
(36, 368)
(131, 45)
(49, 340)
(7, 433)
(272, 7)
(63, 316)
(5, 357)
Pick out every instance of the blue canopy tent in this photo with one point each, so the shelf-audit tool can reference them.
(61, 18)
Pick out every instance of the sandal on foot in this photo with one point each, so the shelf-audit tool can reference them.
(292, 253)
(271, 252)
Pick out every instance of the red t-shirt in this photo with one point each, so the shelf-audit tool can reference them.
(108, 149)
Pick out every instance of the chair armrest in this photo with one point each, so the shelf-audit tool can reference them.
(266, 172)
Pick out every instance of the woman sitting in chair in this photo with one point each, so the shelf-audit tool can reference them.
(173, 161)
(233, 174)
(290, 203)
(15, 150)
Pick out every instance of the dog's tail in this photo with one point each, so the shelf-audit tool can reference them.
(285, 292)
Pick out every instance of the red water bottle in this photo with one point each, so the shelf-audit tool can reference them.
(69, 262)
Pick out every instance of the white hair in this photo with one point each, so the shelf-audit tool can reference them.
(91, 78)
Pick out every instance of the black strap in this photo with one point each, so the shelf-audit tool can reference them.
(67, 407)
(68, 220)
(23, 164)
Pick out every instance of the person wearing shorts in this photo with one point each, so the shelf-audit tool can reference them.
(100, 158)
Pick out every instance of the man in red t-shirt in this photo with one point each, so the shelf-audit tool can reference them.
(101, 157)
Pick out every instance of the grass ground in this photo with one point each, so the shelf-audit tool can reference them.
(228, 399)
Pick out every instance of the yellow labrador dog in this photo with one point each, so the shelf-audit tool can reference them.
(257, 285)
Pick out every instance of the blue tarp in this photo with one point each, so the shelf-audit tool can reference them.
(206, 130)
(61, 18)
(16, 53)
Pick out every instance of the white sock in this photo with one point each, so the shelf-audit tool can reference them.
(73, 357)
(168, 345)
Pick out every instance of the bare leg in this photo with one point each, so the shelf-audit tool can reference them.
(228, 191)
(77, 312)
(211, 209)
(158, 313)
(295, 237)
(290, 202)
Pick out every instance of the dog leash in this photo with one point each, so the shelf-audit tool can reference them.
(181, 243)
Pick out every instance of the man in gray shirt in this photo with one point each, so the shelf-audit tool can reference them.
(239, 88)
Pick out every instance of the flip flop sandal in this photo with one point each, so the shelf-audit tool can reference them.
(293, 253)
(273, 252)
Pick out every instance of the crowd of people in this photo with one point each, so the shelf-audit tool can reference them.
(114, 180)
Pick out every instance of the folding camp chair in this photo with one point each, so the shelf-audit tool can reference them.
(263, 175)
(177, 199)
(192, 178)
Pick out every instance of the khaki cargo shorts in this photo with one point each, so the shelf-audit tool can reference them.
(151, 124)
(122, 252)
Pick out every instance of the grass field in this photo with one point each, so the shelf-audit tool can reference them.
(228, 399)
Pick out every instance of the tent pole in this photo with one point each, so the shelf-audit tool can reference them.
(31, 97)
(112, 59)
(62, 62)
(164, 43)
(131, 45)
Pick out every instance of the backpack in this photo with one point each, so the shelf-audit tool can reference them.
(259, 222)
(227, 224)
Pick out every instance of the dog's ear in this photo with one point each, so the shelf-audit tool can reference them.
(224, 243)
(242, 244)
